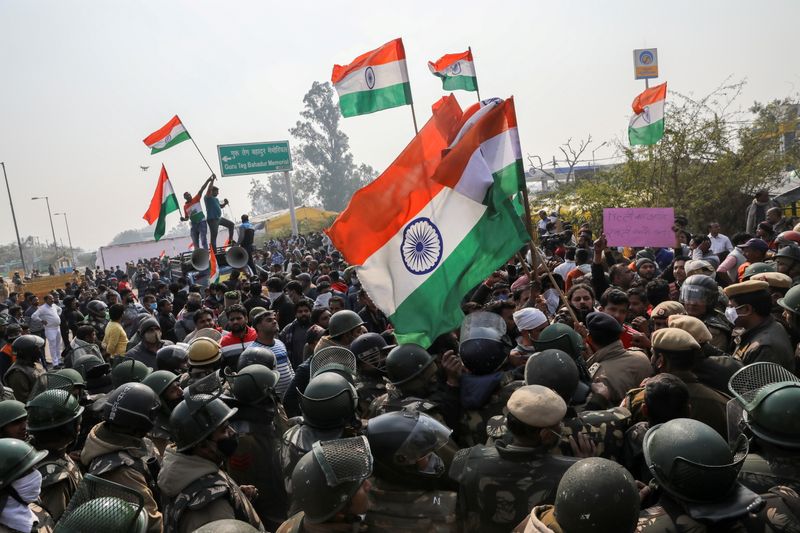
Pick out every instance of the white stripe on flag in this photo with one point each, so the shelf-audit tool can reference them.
(494, 155)
(382, 76)
(653, 113)
(174, 132)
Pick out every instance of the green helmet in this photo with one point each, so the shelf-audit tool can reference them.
(789, 252)
(11, 411)
(334, 359)
(160, 380)
(327, 477)
(758, 268)
(405, 362)
(127, 371)
(328, 402)
(560, 337)
(90, 366)
(554, 369)
(770, 397)
(691, 461)
(254, 383)
(53, 381)
(16, 457)
(102, 505)
(51, 409)
(197, 417)
(227, 525)
(73, 375)
(791, 301)
(596, 494)
(28, 347)
(343, 321)
(131, 405)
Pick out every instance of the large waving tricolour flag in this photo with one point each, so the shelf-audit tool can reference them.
(172, 133)
(422, 244)
(163, 203)
(647, 123)
(373, 81)
(456, 70)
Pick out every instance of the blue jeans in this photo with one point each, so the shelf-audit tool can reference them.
(198, 232)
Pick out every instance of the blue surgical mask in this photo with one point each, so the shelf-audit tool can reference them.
(153, 306)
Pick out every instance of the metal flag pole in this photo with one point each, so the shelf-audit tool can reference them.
(414, 116)
(14, 217)
(477, 89)
(197, 148)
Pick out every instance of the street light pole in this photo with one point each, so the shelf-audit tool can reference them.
(49, 214)
(594, 166)
(69, 238)
(14, 218)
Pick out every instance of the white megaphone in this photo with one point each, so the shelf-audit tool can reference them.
(236, 257)
(200, 259)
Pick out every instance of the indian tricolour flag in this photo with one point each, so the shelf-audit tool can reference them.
(373, 81)
(213, 272)
(456, 70)
(422, 245)
(172, 133)
(647, 123)
(163, 203)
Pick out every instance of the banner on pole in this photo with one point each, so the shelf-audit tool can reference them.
(639, 227)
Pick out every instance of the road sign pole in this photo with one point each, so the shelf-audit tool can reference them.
(14, 217)
(290, 192)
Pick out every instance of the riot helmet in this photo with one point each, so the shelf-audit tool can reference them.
(406, 362)
(481, 346)
(52, 409)
(253, 384)
(699, 289)
(257, 355)
(131, 406)
(173, 357)
(554, 369)
(102, 505)
(196, 418)
(128, 371)
(28, 347)
(343, 321)
(328, 402)
(371, 349)
(16, 458)
(334, 359)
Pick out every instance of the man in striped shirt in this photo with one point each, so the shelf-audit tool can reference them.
(239, 335)
(193, 212)
(266, 326)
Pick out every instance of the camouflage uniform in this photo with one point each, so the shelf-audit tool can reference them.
(767, 466)
(160, 434)
(471, 429)
(60, 479)
(401, 510)
(368, 388)
(21, 377)
(605, 428)
(43, 522)
(633, 456)
(126, 460)
(499, 484)
(257, 462)
(541, 520)
(776, 515)
(720, 330)
(441, 404)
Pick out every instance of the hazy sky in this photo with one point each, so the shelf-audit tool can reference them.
(83, 82)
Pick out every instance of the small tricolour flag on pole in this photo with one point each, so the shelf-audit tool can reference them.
(172, 133)
(373, 81)
(422, 245)
(213, 274)
(456, 70)
(647, 123)
(163, 203)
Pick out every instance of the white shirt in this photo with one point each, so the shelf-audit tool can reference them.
(720, 243)
(564, 268)
(50, 314)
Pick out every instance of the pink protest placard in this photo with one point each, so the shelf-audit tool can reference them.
(639, 227)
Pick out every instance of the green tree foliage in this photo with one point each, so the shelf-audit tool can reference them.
(325, 171)
(708, 165)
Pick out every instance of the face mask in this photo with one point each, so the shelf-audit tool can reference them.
(731, 314)
(501, 297)
(152, 337)
(227, 446)
(28, 487)
(435, 466)
(153, 306)
(274, 295)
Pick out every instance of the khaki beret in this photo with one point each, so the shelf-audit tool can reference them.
(774, 279)
(668, 308)
(537, 406)
(698, 266)
(674, 340)
(693, 326)
(745, 287)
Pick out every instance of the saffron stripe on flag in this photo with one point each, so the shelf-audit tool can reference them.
(389, 52)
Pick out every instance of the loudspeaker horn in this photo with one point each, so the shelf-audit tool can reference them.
(237, 257)
(200, 259)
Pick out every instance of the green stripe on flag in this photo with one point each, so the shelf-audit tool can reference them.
(169, 205)
(182, 136)
(435, 307)
(650, 134)
(363, 102)
(459, 83)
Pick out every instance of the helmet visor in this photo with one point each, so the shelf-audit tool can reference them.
(427, 436)
(344, 460)
(693, 294)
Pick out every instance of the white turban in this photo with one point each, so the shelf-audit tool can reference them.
(529, 318)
